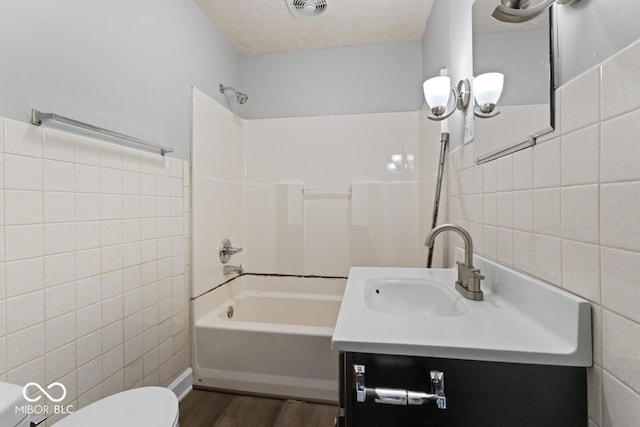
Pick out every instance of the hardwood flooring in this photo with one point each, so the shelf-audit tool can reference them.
(213, 409)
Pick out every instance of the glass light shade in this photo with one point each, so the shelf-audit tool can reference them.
(487, 88)
(437, 90)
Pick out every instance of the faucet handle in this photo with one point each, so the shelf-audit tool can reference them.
(226, 249)
(477, 274)
(233, 251)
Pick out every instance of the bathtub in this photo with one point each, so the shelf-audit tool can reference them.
(269, 335)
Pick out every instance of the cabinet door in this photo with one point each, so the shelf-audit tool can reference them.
(478, 393)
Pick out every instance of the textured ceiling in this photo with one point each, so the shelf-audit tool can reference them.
(256, 26)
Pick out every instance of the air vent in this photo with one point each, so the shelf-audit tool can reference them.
(309, 8)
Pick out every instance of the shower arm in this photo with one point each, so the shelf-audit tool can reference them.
(223, 88)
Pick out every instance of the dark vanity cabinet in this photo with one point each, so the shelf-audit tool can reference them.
(478, 393)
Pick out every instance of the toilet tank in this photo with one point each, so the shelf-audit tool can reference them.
(10, 398)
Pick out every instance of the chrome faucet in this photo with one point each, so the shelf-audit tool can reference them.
(225, 251)
(468, 283)
(232, 269)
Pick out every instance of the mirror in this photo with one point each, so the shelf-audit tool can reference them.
(522, 52)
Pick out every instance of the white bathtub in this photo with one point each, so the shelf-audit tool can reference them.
(278, 340)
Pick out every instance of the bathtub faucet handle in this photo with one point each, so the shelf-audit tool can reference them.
(226, 250)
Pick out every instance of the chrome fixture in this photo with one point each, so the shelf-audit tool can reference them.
(444, 140)
(437, 93)
(516, 11)
(487, 89)
(240, 97)
(468, 283)
(232, 269)
(396, 396)
(226, 250)
(39, 118)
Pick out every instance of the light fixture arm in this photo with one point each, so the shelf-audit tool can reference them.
(459, 101)
(515, 15)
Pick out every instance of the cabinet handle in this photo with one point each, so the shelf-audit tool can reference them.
(396, 396)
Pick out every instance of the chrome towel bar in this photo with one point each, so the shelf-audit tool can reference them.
(38, 118)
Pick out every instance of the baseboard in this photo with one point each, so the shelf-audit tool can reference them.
(183, 384)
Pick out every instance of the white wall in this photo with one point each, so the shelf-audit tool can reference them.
(590, 31)
(129, 66)
(318, 82)
(124, 65)
(92, 267)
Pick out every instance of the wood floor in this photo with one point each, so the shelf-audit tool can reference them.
(208, 409)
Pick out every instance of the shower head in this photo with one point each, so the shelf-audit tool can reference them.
(240, 97)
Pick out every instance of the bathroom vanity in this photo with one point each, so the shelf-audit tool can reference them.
(413, 352)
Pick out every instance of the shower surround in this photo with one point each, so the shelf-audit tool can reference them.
(310, 195)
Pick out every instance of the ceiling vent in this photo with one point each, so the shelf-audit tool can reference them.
(309, 8)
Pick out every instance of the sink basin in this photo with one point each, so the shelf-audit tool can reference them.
(418, 312)
(411, 297)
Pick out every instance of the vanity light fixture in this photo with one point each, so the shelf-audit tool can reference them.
(516, 11)
(487, 89)
(437, 92)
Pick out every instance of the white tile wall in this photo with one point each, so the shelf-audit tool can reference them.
(74, 234)
(578, 228)
(290, 196)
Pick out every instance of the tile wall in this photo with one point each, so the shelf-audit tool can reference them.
(568, 212)
(93, 283)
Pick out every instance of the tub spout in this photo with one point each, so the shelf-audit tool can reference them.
(232, 269)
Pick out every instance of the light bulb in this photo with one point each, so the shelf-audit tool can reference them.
(487, 88)
(436, 91)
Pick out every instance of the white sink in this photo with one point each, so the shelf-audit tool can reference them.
(417, 312)
(413, 297)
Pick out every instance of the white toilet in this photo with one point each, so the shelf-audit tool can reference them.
(140, 407)
(10, 398)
